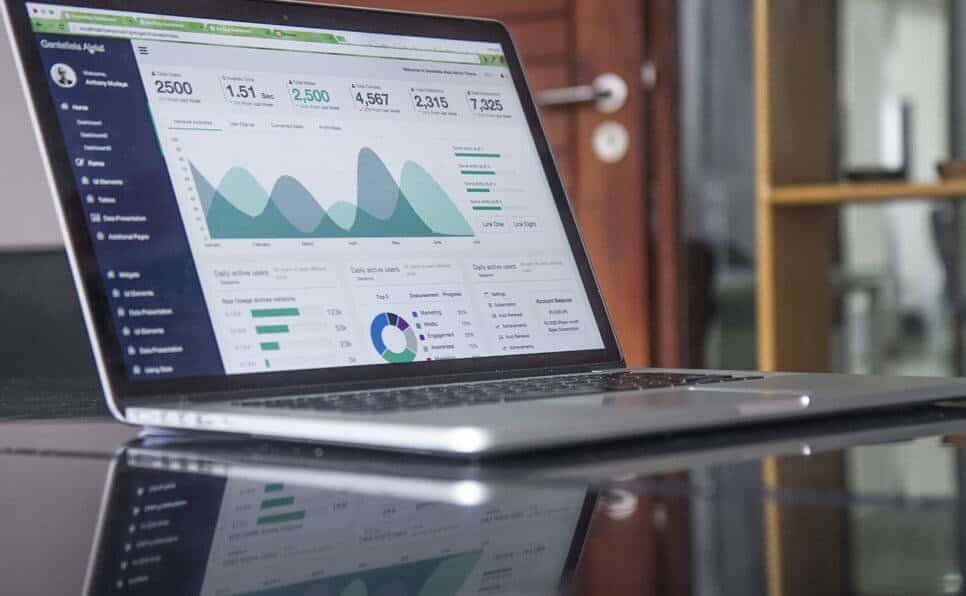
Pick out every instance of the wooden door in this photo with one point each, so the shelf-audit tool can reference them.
(570, 42)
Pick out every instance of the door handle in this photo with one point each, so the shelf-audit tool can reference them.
(608, 91)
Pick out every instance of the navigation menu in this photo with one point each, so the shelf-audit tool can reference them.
(148, 274)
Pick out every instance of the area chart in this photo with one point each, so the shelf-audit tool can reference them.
(239, 207)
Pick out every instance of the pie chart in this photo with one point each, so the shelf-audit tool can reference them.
(393, 338)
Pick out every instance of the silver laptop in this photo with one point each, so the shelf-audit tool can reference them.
(345, 226)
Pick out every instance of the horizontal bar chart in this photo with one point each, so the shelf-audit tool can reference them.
(474, 154)
(271, 329)
(267, 313)
(281, 518)
(277, 502)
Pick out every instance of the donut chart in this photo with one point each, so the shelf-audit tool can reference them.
(388, 319)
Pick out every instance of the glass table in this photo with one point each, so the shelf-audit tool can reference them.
(863, 505)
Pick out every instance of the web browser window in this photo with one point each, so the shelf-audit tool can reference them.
(270, 198)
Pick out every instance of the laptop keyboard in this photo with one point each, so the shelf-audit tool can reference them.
(444, 396)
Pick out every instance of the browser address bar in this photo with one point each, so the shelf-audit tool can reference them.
(274, 44)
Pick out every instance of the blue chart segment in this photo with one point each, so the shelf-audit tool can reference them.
(443, 576)
(417, 207)
(400, 325)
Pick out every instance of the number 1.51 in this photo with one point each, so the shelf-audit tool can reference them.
(241, 91)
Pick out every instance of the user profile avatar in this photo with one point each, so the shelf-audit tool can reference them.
(64, 76)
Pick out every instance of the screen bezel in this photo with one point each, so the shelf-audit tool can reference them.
(211, 388)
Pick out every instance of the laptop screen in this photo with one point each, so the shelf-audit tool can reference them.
(220, 532)
(267, 198)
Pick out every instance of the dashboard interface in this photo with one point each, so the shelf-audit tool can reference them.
(265, 198)
(220, 532)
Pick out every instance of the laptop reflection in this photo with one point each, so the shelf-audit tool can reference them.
(184, 522)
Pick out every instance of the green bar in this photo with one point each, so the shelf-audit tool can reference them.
(271, 346)
(49, 26)
(274, 487)
(464, 154)
(98, 18)
(170, 25)
(279, 502)
(492, 59)
(477, 190)
(281, 518)
(487, 208)
(306, 36)
(264, 313)
(239, 30)
(478, 172)
(42, 23)
(271, 329)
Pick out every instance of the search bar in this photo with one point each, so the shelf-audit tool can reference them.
(255, 42)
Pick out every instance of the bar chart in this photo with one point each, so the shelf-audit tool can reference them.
(297, 337)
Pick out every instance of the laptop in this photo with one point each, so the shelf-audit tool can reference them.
(345, 226)
(179, 523)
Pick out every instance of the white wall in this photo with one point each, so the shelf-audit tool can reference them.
(917, 68)
(895, 50)
(26, 213)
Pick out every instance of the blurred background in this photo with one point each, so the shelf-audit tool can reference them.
(777, 190)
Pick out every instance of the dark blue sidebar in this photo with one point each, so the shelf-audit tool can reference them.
(152, 286)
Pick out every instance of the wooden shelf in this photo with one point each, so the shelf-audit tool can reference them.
(834, 194)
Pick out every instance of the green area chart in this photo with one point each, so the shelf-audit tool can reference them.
(443, 576)
(417, 207)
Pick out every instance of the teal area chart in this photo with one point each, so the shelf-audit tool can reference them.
(397, 324)
(442, 576)
(239, 207)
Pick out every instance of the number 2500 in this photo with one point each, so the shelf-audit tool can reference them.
(173, 87)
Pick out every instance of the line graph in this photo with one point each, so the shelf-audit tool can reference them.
(239, 207)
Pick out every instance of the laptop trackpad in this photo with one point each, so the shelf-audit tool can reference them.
(748, 402)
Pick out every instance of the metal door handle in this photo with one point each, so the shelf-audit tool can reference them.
(608, 91)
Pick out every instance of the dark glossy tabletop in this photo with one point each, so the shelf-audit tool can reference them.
(865, 505)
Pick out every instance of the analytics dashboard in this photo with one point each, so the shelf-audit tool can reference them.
(269, 198)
